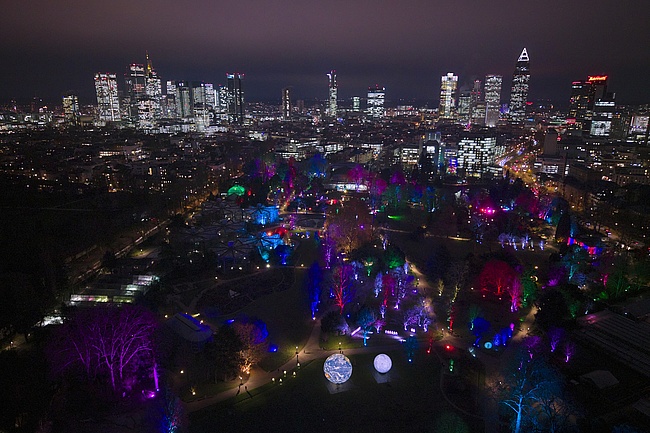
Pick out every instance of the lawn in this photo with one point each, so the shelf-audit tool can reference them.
(410, 400)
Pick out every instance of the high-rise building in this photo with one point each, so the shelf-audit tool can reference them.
(519, 92)
(71, 108)
(448, 86)
(172, 99)
(376, 96)
(235, 98)
(584, 95)
(153, 89)
(108, 105)
(286, 103)
(184, 104)
(332, 107)
(475, 152)
(135, 79)
(492, 99)
(463, 107)
(356, 104)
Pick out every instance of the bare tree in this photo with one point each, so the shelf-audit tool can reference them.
(107, 341)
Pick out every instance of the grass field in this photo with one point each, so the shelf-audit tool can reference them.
(410, 400)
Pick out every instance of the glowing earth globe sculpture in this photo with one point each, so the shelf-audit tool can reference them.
(382, 363)
(337, 368)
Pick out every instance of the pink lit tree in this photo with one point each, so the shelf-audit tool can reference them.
(514, 291)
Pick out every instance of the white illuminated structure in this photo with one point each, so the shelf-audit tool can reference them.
(492, 99)
(376, 98)
(332, 108)
(382, 363)
(448, 87)
(519, 92)
(108, 105)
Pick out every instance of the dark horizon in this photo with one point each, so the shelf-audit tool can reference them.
(53, 48)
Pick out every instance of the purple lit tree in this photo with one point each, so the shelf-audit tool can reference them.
(105, 342)
(555, 336)
(569, 350)
(379, 280)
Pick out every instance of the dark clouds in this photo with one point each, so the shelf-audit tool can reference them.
(50, 46)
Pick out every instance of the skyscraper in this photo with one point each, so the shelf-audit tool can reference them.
(448, 86)
(235, 98)
(153, 89)
(108, 105)
(375, 108)
(519, 92)
(492, 99)
(286, 103)
(70, 108)
(134, 78)
(584, 95)
(332, 107)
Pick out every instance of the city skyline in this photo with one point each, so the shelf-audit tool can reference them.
(53, 48)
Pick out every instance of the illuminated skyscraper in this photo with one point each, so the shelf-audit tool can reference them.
(332, 108)
(184, 106)
(584, 95)
(172, 99)
(235, 98)
(492, 99)
(356, 104)
(135, 79)
(108, 105)
(286, 103)
(376, 96)
(448, 87)
(153, 89)
(70, 108)
(519, 92)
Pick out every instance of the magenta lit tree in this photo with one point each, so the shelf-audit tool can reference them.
(105, 343)
(342, 289)
(514, 291)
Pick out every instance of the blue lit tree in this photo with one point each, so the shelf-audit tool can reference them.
(366, 319)
(314, 286)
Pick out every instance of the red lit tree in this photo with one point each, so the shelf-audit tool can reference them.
(342, 289)
(496, 277)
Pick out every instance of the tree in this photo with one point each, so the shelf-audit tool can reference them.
(105, 342)
(253, 343)
(314, 283)
(366, 319)
(169, 413)
(341, 288)
(496, 276)
(575, 261)
(225, 352)
(524, 384)
(514, 291)
(350, 225)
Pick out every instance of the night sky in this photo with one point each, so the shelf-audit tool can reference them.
(48, 47)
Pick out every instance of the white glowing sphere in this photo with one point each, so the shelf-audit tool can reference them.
(382, 363)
